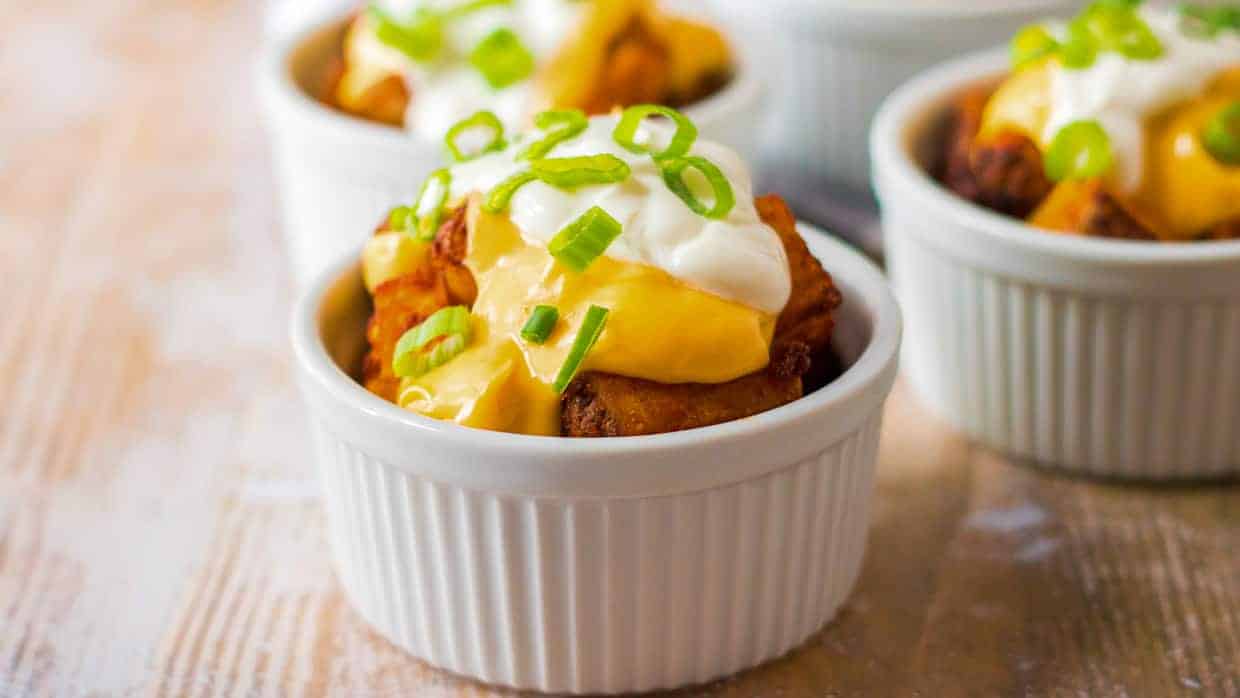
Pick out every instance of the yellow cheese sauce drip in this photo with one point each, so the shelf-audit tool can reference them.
(1183, 189)
(658, 329)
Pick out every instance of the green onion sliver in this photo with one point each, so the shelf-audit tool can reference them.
(502, 59)
(427, 212)
(1080, 150)
(1207, 21)
(673, 175)
(570, 173)
(626, 131)
(402, 219)
(1030, 45)
(542, 321)
(1113, 25)
(560, 125)
(448, 328)
(498, 198)
(481, 120)
(591, 328)
(1221, 136)
(420, 40)
(585, 239)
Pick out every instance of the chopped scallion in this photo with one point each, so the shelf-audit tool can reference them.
(432, 343)
(673, 175)
(625, 132)
(542, 321)
(483, 120)
(585, 239)
(560, 125)
(502, 59)
(1080, 150)
(1221, 136)
(570, 173)
(591, 328)
(498, 198)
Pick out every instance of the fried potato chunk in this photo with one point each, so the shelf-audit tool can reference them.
(1088, 208)
(1224, 231)
(1003, 173)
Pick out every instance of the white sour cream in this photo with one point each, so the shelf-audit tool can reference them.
(448, 88)
(738, 257)
(1120, 93)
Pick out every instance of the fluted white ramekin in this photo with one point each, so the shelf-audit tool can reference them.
(598, 565)
(1107, 357)
(338, 174)
(840, 58)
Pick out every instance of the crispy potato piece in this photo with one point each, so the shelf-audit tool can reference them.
(1224, 231)
(635, 71)
(1003, 174)
(1087, 208)
(602, 404)
(598, 404)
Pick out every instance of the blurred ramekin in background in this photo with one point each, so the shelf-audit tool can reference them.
(598, 565)
(1112, 358)
(338, 174)
(833, 61)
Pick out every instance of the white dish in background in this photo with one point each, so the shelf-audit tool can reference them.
(835, 61)
(338, 174)
(1105, 357)
(598, 565)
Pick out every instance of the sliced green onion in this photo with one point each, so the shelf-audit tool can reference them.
(626, 131)
(570, 173)
(1208, 21)
(427, 211)
(502, 59)
(585, 239)
(399, 219)
(1081, 150)
(450, 326)
(1115, 26)
(1031, 44)
(591, 328)
(1079, 50)
(481, 120)
(498, 198)
(1221, 136)
(542, 321)
(560, 125)
(421, 39)
(673, 175)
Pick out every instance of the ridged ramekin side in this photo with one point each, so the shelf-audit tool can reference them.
(599, 595)
(1131, 386)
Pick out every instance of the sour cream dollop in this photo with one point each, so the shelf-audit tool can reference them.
(737, 257)
(1121, 93)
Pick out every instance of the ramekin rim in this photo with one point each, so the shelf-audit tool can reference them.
(280, 91)
(875, 365)
(892, 159)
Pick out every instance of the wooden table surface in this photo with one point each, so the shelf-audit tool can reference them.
(159, 529)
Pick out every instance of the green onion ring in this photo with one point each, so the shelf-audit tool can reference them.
(591, 327)
(585, 239)
(631, 119)
(499, 196)
(540, 325)
(502, 59)
(410, 358)
(482, 119)
(561, 125)
(420, 40)
(673, 175)
(1221, 136)
(427, 213)
(1080, 150)
(1031, 44)
(570, 173)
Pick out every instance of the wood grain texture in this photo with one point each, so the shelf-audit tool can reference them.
(159, 531)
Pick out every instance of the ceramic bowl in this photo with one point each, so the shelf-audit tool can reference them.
(1105, 357)
(598, 565)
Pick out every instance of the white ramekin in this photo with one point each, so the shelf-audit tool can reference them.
(840, 58)
(338, 174)
(1106, 357)
(598, 565)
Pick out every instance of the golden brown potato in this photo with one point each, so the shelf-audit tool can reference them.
(1087, 208)
(1224, 231)
(1004, 174)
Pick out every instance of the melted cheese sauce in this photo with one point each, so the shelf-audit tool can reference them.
(1153, 112)
(691, 299)
(658, 329)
